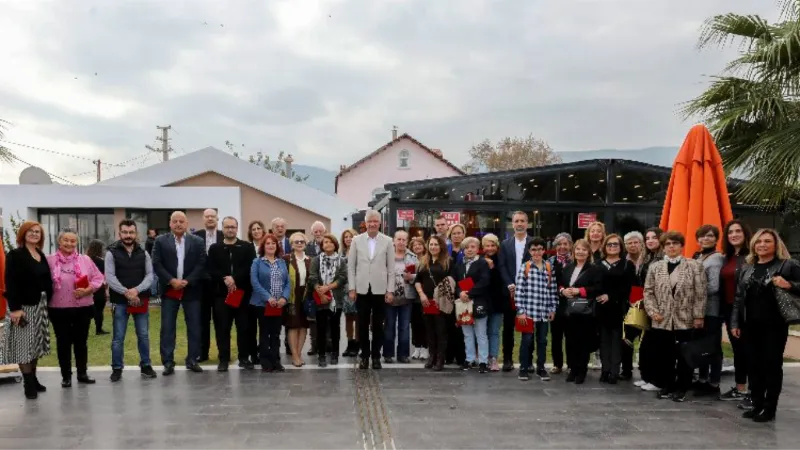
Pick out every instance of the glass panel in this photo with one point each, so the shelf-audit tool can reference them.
(140, 217)
(431, 193)
(635, 221)
(50, 226)
(86, 230)
(106, 231)
(549, 224)
(533, 188)
(481, 223)
(588, 186)
(67, 221)
(480, 191)
(634, 186)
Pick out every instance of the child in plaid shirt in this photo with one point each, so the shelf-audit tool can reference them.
(536, 298)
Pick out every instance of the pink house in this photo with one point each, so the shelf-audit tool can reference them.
(402, 159)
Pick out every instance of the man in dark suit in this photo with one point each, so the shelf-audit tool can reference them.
(179, 259)
(512, 255)
(210, 235)
(279, 230)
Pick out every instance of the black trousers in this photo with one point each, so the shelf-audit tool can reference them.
(436, 332)
(224, 318)
(251, 346)
(611, 348)
(558, 330)
(370, 307)
(269, 339)
(206, 313)
(581, 342)
(766, 342)
(71, 327)
(670, 370)
(509, 317)
(741, 357)
(630, 333)
(456, 350)
(419, 337)
(329, 320)
(99, 309)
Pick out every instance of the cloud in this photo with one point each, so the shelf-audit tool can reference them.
(326, 80)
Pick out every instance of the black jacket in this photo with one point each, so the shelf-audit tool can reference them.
(165, 263)
(507, 258)
(481, 277)
(501, 303)
(231, 260)
(590, 279)
(616, 282)
(745, 306)
(129, 269)
(26, 278)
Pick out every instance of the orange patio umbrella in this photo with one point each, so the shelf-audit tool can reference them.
(698, 192)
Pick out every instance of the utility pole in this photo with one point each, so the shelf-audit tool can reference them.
(98, 164)
(164, 138)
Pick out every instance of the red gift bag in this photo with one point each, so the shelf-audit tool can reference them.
(234, 298)
(432, 308)
(527, 328)
(411, 268)
(637, 294)
(82, 282)
(142, 308)
(174, 294)
(273, 311)
(466, 284)
(318, 299)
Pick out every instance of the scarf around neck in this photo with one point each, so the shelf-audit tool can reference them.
(68, 261)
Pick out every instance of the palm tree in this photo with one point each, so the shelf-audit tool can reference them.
(5, 153)
(753, 108)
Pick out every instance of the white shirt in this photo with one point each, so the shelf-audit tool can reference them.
(372, 242)
(180, 249)
(519, 247)
(301, 270)
(211, 238)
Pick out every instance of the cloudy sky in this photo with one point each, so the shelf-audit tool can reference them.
(327, 79)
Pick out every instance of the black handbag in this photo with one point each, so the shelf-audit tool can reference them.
(701, 351)
(579, 307)
(788, 303)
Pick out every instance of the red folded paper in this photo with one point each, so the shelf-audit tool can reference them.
(637, 294)
(174, 294)
(411, 268)
(273, 311)
(82, 282)
(466, 284)
(465, 318)
(432, 308)
(526, 328)
(142, 308)
(234, 298)
(318, 299)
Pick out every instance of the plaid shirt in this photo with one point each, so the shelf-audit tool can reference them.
(537, 293)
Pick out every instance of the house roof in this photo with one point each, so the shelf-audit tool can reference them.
(389, 144)
(214, 160)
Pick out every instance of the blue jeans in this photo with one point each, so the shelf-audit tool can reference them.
(493, 330)
(154, 286)
(141, 323)
(526, 347)
(473, 332)
(169, 317)
(399, 318)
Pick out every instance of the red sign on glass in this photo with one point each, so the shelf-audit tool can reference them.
(584, 219)
(405, 214)
(452, 217)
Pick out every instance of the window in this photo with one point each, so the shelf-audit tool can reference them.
(533, 188)
(640, 186)
(479, 190)
(586, 186)
(403, 159)
(88, 224)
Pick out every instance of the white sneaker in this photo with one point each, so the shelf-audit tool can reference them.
(650, 388)
(423, 354)
(596, 363)
(415, 355)
(639, 383)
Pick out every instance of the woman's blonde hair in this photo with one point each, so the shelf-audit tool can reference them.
(592, 225)
(781, 252)
(418, 240)
(605, 242)
(471, 240)
(295, 235)
(490, 237)
(583, 243)
(443, 259)
(454, 226)
(342, 247)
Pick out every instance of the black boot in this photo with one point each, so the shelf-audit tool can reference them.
(84, 378)
(29, 383)
(39, 386)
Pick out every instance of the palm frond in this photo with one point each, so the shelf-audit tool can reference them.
(776, 168)
(723, 30)
(5, 152)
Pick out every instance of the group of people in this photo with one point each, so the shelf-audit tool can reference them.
(446, 299)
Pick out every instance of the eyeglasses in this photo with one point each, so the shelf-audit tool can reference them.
(299, 242)
(612, 244)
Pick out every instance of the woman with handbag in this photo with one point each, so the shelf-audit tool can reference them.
(269, 276)
(675, 300)
(579, 284)
(710, 374)
(328, 279)
(652, 253)
(767, 301)
(617, 276)
(736, 248)
(297, 320)
(418, 339)
(398, 312)
(500, 303)
(634, 247)
(473, 279)
(435, 286)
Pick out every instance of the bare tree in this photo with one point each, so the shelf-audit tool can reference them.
(510, 153)
(277, 166)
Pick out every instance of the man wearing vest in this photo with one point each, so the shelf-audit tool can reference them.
(536, 298)
(129, 274)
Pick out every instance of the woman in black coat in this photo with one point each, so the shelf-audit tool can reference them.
(500, 304)
(579, 284)
(617, 275)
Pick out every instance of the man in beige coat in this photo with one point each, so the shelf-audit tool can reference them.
(370, 275)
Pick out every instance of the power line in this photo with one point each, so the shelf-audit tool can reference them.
(52, 175)
(46, 150)
(82, 173)
(122, 164)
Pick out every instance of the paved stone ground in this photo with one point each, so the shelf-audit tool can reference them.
(395, 408)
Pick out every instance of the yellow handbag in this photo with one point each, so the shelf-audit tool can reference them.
(637, 317)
